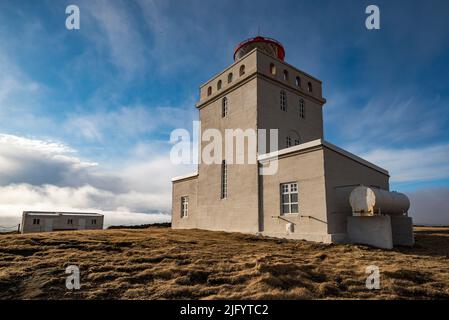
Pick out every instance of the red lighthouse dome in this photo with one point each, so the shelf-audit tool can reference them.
(268, 45)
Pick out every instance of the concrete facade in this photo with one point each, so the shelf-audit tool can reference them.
(324, 174)
(39, 221)
(375, 231)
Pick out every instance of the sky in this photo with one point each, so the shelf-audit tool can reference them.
(86, 115)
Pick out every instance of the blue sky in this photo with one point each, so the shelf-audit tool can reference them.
(85, 115)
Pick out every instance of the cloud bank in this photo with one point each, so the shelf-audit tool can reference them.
(47, 175)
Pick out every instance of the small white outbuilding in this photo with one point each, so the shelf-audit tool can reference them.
(43, 221)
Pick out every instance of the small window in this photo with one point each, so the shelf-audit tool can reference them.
(36, 221)
(224, 107)
(288, 142)
(219, 85)
(289, 198)
(69, 221)
(309, 86)
(209, 91)
(298, 82)
(283, 100)
(184, 207)
(285, 75)
(230, 77)
(224, 180)
(273, 69)
(302, 109)
(94, 221)
(242, 70)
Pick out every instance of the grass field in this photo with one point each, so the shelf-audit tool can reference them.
(160, 263)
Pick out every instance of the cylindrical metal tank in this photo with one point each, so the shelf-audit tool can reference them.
(368, 201)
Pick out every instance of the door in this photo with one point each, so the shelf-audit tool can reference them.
(48, 226)
(82, 224)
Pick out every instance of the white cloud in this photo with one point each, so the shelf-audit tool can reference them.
(120, 209)
(418, 164)
(13, 82)
(116, 34)
(47, 175)
(128, 122)
(386, 119)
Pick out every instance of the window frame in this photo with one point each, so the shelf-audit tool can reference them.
(302, 109)
(230, 76)
(242, 70)
(224, 180)
(288, 141)
(288, 189)
(184, 207)
(272, 69)
(283, 100)
(224, 107)
(309, 87)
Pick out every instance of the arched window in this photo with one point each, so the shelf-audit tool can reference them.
(309, 87)
(283, 100)
(224, 107)
(273, 69)
(230, 77)
(209, 91)
(298, 82)
(219, 85)
(302, 109)
(242, 70)
(285, 75)
(292, 139)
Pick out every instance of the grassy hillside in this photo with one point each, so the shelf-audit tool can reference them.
(160, 263)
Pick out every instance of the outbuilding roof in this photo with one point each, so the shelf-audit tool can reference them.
(49, 213)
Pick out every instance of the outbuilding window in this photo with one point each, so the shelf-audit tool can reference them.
(94, 221)
(184, 207)
(36, 221)
(69, 221)
(283, 100)
(289, 198)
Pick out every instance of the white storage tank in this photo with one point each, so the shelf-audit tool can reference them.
(368, 201)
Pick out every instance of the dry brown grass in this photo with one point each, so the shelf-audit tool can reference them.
(160, 263)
